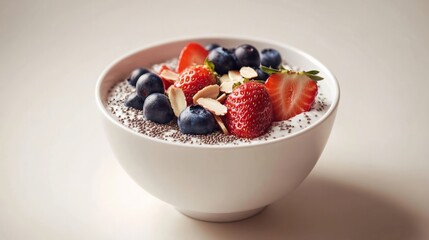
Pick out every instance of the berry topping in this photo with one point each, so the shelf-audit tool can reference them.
(134, 101)
(157, 108)
(249, 110)
(167, 82)
(193, 79)
(239, 91)
(149, 83)
(291, 93)
(192, 54)
(135, 75)
(270, 58)
(247, 56)
(196, 120)
(223, 60)
(211, 46)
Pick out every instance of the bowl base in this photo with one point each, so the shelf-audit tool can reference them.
(221, 217)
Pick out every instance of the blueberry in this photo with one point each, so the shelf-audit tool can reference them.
(135, 75)
(247, 56)
(157, 108)
(261, 74)
(223, 60)
(149, 83)
(196, 120)
(270, 58)
(134, 101)
(211, 46)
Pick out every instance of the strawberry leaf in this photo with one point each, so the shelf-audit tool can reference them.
(236, 85)
(314, 77)
(209, 64)
(312, 72)
(269, 70)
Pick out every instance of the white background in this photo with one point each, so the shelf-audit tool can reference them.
(59, 179)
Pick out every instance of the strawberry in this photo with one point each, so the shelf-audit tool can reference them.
(167, 83)
(249, 110)
(192, 54)
(291, 93)
(193, 79)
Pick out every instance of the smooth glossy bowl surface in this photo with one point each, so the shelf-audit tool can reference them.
(215, 183)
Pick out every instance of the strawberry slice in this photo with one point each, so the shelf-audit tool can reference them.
(167, 83)
(192, 54)
(291, 93)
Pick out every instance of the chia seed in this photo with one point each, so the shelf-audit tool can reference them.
(133, 119)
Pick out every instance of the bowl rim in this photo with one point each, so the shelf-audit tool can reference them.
(326, 70)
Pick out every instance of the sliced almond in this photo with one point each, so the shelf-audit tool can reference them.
(211, 91)
(224, 78)
(212, 105)
(226, 87)
(177, 99)
(221, 98)
(248, 72)
(169, 75)
(235, 76)
(221, 125)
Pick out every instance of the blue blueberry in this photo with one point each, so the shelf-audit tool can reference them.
(261, 74)
(135, 75)
(223, 60)
(196, 120)
(270, 58)
(211, 46)
(157, 108)
(149, 83)
(134, 101)
(247, 56)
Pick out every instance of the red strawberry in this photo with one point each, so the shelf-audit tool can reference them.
(167, 83)
(192, 54)
(193, 79)
(250, 112)
(291, 93)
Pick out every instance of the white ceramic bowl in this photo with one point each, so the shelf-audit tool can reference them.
(215, 183)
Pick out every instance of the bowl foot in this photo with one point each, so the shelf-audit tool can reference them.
(221, 217)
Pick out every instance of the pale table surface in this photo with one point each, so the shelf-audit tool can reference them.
(59, 179)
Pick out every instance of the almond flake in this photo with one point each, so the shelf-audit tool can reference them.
(224, 78)
(221, 125)
(169, 75)
(248, 72)
(221, 98)
(226, 87)
(235, 76)
(211, 91)
(212, 105)
(177, 99)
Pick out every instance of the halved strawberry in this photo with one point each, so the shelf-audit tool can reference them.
(291, 93)
(167, 83)
(192, 54)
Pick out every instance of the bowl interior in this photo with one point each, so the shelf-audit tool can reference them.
(162, 52)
